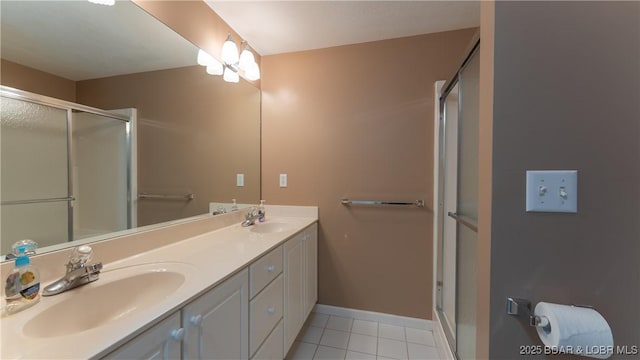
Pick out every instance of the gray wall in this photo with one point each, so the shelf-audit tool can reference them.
(566, 96)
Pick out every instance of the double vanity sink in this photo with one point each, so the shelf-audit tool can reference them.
(138, 290)
(118, 293)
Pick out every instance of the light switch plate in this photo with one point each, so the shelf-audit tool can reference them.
(240, 180)
(283, 180)
(552, 191)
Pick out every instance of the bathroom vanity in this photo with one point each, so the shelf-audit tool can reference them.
(231, 293)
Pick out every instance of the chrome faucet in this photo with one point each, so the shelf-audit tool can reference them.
(78, 272)
(251, 217)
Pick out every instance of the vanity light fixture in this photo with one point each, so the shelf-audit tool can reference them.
(103, 2)
(231, 64)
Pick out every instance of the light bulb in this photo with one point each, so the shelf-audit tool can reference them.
(253, 72)
(229, 51)
(214, 67)
(230, 75)
(246, 59)
(204, 58)
(103, 2)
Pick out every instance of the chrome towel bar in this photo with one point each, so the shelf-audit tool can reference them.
(37, 201)
(166, 197)
(347, 202)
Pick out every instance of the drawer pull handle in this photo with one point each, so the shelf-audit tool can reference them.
(270, 268)
(271, 310)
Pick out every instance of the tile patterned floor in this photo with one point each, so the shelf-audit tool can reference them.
(338, 338)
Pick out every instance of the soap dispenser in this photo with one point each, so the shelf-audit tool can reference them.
(22, 287)
(234, 205)
(261, 212)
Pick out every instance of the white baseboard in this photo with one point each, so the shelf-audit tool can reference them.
(375, 316)
(441, 340)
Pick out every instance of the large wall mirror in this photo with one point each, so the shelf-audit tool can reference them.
(194, 131)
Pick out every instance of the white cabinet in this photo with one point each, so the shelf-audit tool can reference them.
(266, 286)
(301, 281)
(257, 312)
(311, 269)
(217, 323)
(162, 341)
(213, 326)
(271, 349)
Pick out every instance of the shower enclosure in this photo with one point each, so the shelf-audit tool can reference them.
(458, 206)
(66, 169)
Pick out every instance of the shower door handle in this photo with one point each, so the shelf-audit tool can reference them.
(464, 221)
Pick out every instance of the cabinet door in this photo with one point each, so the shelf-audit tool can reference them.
(293, 288)
(162, 341)
(217, 325)
(311, 269)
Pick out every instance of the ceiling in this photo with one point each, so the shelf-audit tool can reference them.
(78, 40)
(274, 27)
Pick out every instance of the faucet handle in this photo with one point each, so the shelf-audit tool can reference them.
(252, 212)
(81, 255)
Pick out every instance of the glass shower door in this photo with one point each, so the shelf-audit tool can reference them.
(467, 209)
(459, 209)
(99, 169)
(34, 174)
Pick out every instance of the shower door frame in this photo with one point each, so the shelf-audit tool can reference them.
(30, 97)
(448, 86)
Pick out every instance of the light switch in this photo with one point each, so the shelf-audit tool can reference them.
(552, 191)
(283, 180)
(240, 180)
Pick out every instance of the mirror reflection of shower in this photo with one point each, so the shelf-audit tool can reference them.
(65, 169)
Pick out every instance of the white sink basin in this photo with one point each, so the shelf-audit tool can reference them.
(270, 227)
(116, 294)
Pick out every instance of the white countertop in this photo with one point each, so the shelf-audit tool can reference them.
(205, 260)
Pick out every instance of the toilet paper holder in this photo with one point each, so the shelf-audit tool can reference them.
(522, 308)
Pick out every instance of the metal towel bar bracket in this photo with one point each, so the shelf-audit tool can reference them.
(347, 202)
(166, 197)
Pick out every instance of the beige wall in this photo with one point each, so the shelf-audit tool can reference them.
(357, 121)
(195, 133)
(566, 91)
(29, 79)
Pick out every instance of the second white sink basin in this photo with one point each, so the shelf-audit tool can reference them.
(270, 227)
(115, 295)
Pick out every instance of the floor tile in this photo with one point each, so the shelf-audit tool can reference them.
(422, 352)
(335, 338)
(365, 327)
(353, 355)
(319, 320)
(329, 353)
(339, 323)
(311, 334)
(383, 358)
(302, 351)
(391, 332)
(418, 336)
(394, 349)
(363, 343)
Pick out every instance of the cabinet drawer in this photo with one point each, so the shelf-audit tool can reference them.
(264, 313)
(264, 270)
(271, 349)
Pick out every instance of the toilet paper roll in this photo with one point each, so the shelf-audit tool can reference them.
(576, 330)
